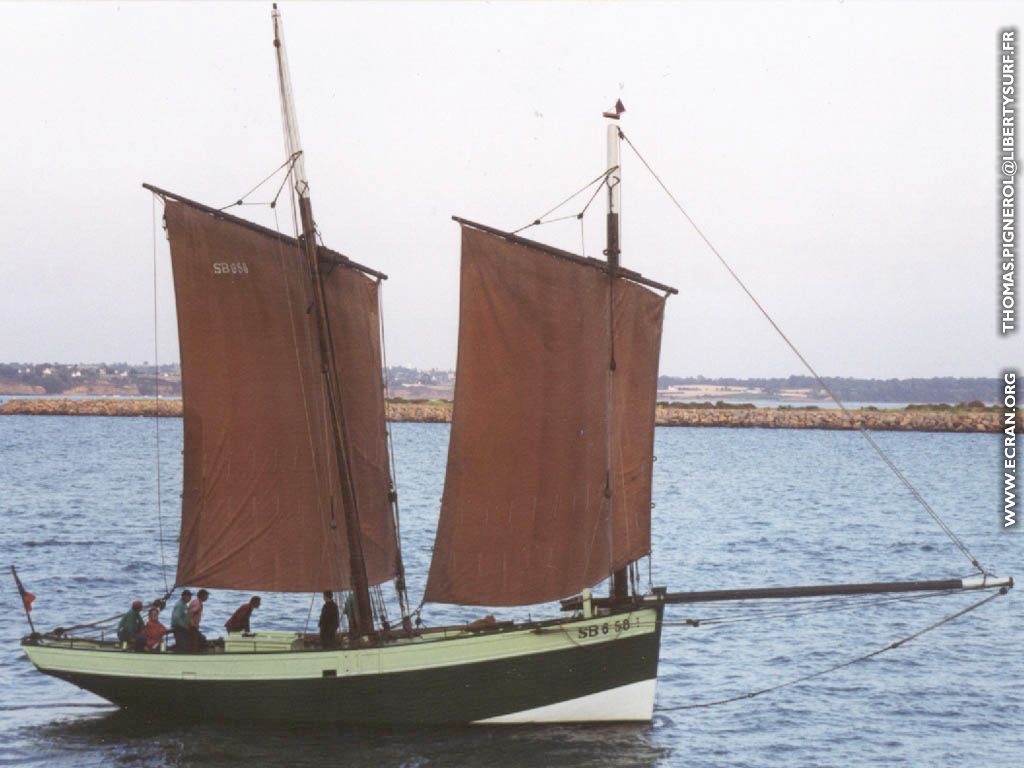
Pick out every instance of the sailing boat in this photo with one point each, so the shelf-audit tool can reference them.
(288, 488)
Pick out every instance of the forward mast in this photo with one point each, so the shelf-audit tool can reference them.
(361, 617)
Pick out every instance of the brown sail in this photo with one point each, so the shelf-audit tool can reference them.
(354, 311)
(549, 465)
(261, 501)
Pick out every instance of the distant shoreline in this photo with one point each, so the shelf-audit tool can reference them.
(923, 418)
(121, 379)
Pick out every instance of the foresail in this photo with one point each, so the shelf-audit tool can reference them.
(261, 502)
(529, 512)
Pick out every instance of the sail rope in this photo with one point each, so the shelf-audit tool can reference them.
(596, 182)
(98, 624)
(289, 163)
(156, 398)
(101, 626)
(841, 665)
(309, 613)
(821, 382)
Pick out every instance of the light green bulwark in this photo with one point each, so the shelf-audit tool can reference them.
(281, 656)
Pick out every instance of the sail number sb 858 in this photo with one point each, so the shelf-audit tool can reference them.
(595, 630)
(230, 268)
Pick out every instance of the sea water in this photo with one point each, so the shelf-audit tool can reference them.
(734, 508)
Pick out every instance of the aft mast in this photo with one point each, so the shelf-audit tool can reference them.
(613, 179)
(362, 616)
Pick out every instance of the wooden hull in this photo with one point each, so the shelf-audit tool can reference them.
(598, 669)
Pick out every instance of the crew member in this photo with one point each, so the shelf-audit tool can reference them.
(179, 621)
(129, 628)
(154, 631)
(329, 621)
(196, 639)
(239, 621)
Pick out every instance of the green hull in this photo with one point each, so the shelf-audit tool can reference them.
(597, 669)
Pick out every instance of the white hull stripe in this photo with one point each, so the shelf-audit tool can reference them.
(627, 702)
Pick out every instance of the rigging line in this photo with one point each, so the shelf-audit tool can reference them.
(842, 665)
(597, 190)
(292, 201)
(309, 613)
(552, 221)
(383, 604)
(294, 158)
(291, 160)
(582, 189)
(403, 595)
(97, 623)
(821, 382)
(156, 420)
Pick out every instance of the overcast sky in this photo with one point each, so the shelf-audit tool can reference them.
(842, 156)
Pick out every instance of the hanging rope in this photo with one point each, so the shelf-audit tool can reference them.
(156, 420)
(821, 382)
(400, 586)
(309, 613)
(836, 667)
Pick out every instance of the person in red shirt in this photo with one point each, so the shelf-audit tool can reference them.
(239, 621)
(153, 633)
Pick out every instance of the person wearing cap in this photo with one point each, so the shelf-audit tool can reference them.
(239, 621)
(196, 639)
(179, 621)
(129, 628)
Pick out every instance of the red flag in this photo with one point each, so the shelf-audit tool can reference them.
(27, 598)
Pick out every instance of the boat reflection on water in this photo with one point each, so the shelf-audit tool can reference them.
(122, 738)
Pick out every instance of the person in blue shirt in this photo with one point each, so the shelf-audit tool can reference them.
(179, 622)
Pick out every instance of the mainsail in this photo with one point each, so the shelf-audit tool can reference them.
(548, 488)
(261, 502)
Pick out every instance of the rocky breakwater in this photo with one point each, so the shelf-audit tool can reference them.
(90, 407)
(432, 412)
(913, 419)
(916, 419)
